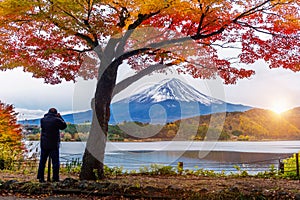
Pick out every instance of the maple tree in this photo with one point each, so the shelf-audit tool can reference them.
(11, 145)
(64, 39)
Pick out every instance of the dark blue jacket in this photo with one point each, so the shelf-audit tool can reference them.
(51, 124)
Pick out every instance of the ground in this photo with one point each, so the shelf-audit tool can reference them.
(25, 186)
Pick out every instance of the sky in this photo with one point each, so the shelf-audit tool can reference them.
(268, 89)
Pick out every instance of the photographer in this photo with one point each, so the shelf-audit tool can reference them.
(51, 123)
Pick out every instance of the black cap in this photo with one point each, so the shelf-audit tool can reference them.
(52, 110)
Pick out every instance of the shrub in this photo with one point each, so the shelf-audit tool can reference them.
(290, 169)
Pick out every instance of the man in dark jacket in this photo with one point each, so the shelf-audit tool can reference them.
(51, 123)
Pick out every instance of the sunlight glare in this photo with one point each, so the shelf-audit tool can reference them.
(279, 106)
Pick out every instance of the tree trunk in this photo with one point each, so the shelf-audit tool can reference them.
(93, 158)
(110, 58)
(92, 166)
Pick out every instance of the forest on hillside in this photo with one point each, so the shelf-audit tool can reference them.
(255, 124)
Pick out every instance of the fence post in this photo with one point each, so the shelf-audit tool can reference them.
(180, 167)
(297, 164)
(49, 170)
(281, 166)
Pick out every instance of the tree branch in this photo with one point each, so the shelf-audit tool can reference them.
(90, 41)
(202, 19)
(130, 80)
(131, 28)
(250, 11)
(260, 30)
(124, 14)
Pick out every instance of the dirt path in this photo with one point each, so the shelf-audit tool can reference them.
(150, 187)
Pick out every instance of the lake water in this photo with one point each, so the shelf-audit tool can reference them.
(251, 156)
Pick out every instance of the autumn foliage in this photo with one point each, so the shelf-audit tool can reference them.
(11, 145)
(55, 39)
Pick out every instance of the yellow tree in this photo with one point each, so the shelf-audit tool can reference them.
(11, 145)
(53, 38)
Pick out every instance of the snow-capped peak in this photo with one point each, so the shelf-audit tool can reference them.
(171, 89)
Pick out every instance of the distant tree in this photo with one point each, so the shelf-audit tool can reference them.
(11, 145)
(115, 129)
(31, 129)
(53, 38)
(212, 133)
(83, 136)
(33, 137)
(237, 133)
(71, 128)
(201, 132)
(67, 137)
(170, 134)
(83, 128)
(224, 135)
(243, 138)
(76, 137)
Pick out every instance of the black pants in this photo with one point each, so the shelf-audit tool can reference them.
(54, 155)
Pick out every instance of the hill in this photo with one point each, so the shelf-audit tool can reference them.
(254, 124)
(293, 116)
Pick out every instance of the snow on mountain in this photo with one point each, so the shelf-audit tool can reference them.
(173, 89)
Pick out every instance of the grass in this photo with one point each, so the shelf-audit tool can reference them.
(155, 181)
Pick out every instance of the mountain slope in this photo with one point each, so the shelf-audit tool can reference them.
(293, 116)
(171, 89)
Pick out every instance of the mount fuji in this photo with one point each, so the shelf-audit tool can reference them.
(173, 89)
(168, 101)
(164, 102)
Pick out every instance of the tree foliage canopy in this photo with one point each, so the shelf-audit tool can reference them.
(56, 39)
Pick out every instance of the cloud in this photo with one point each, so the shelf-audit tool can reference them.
(29, 114)
(23, 91)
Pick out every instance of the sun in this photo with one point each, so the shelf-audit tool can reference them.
(279, 106)
(278, 109)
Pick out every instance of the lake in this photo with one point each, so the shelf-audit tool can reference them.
(251, 156)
